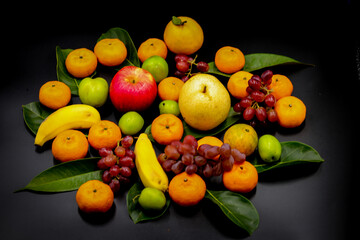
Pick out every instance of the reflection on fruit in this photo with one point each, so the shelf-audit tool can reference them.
(149, 169)
(229, 59)
(281, 86)
(242, 137)
(152, 199)
(291, 111)
(94, 196)
(131, 123)
(132, 89)
(81, 62)
(169, 88)
(157, 66)
(76, 116)
(183, 35)
(93, 91)
(211, 140)
(166, 128)
(70, 145)
(152, 47)
(269, 148)
(54, 94)
(110, 51)
(238, 83)
(242, 178)
(104, 134)
(204, 102)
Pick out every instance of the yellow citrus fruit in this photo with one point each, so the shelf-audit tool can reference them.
(70, 145)
(211, 140)
(291, 111)
(94, 196)
(169, 88)
(81, 62)
(110, 51)
(243, 177)
(104, 134)
(183, 35)
(187, 189)
(243, 137)
(152, 47)
(229, 59)
(54, 94)
(237, 84)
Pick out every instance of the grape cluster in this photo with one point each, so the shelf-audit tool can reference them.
(184, 66)
(260, 102)
(206, 160)
(117, 164)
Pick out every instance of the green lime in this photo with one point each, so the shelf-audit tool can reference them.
(131, 123)
(269, 148)
(157, 66)
(169, 106)
(152, 199)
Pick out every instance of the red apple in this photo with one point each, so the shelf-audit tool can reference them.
(132, 89)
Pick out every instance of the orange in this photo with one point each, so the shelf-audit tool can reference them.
(281, 86)
(237, 84)
(242, 178)
(291, 111)
(183, 35)
(54, 94)
(81, 62)
(187, 190)
(152, 47)
(104, 134)
(213, 141)
(229, 59)
(70, 145)
(110, 51)
(243, 137)
(167, 128)
(94, 196)
(169, 88)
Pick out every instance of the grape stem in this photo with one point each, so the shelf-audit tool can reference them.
(191, 65)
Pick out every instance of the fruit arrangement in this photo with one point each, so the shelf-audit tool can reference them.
(206, 126)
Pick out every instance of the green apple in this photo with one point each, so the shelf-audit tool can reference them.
(93, 91)
(131, 123)
(269, 148)
(157, 66)
(152, 199)
(169, 106)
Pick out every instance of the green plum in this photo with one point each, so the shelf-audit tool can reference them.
(131, 123)
(269, 148)
(169, 106)
(157, 66)
(93, 91)
(152, 199)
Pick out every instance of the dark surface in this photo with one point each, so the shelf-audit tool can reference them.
(301, 202)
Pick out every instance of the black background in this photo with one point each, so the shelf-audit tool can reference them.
(301, 202)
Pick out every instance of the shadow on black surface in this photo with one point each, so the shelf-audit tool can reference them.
(98, 218)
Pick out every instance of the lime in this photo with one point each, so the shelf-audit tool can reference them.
(157, 66)
(152, 199)
(269, 148)
(131, 123)
(169, 106)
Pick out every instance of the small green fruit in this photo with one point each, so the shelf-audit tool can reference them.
(131, 123)
(169, 106)
(93, 91)
(157, 66)
(152, 199)
(269, 148)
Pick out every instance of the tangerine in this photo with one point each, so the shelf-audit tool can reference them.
(104, 134)
(237, 84)
(81, 62)
(243, 177)
(187, 190)
(183, 35)
(213, 141)
(243, 137)
(281, 86)
(70, 145)
(152, 47)
(229, 59)
(291, 111)
(167, 128)
(54, 94)
(94, 196)
(110, 51)
(169, 88)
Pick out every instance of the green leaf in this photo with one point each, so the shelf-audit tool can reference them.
(136, 212)
(214, 70)
(132, 58)
(237, 208)
(34, 114)
(292, 153)
(67, 176)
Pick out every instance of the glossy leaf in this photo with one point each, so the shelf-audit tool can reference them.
(292, 153)
(136, 212)
(34, 114)
(67, 176)
(237, 208)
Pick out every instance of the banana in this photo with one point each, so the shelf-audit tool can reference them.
(150, 171)
(70, 117)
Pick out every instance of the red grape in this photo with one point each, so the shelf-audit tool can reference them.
(202, 66)
(270, 100)
(260, 114)
(248, 113)
(258, 96)
(182, 66)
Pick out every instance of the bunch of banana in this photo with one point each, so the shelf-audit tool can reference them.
(76, 116)
(150, 171)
